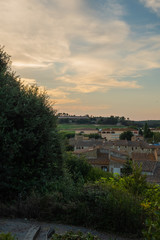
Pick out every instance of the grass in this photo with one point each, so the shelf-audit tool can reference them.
(73, 127)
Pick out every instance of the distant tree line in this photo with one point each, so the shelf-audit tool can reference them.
(111, 120)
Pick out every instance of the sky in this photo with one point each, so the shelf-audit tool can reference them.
(96, 57)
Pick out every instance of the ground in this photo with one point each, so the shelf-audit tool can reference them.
(19, 228)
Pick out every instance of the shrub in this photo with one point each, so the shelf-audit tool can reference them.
(7, 236)
(136, 182)
(151, 204)
(152, 223)
(97, 173)
(78, 167)
(74, 236)
(108, 208)
(103, 207)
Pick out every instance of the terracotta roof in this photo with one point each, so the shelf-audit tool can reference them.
(101, 158)
(86, 143)
(117, 159)
(147, 166)
(119, 152)
(158, 152)
(108, 143)
(81, 151)
(86, 129)
(141, 144)
(143, 156)
(146, 160)
(157, 170)
(119, 130)
(156, 175)
(99, 161)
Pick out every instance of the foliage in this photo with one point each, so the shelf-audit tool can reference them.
(126, 135)
(147, 132)
(127, 168)
(96, 174)
(93, 135)
(78, 167)
(156, 137)
(151, 204)
(148, 195)
(140, 132)
(67, 134)
(29, 142)
(133, 127)
(109, 208)
(152, 223)
(100, 206)
(65, 140)
(7, 236)
(136, 182)
(72, 127)
(74, 236)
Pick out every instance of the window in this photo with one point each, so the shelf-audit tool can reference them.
(104, 168)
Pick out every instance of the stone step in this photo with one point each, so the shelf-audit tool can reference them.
(32, 233)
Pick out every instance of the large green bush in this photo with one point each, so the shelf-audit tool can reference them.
(30, 152)
(151, 204)
(98, 206)
(109, 209)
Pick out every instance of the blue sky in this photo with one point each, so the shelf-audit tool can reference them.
(97, 57)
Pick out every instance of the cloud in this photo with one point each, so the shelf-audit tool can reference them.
(57, 96)
(66, 101)
(153, 4)
(86, 49)
(61, 96)
(29, 65)
(28, 81)
(84, 109)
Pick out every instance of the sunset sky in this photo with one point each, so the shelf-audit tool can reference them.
(96, 57)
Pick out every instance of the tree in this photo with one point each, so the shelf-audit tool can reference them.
(136, 182)
(127, 168)
(147, 132)
(126, 135)
(30, 151)
(140, 132)
(156, 137)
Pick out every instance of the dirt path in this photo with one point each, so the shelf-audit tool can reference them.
(19, 227)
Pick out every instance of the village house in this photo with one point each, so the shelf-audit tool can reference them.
(111, 156)
(155, 130)
(147, 161)
(117, 160)
(137, 138)
(83, 143)
(86, 131)
(113, 134)
(133, 146)
(97, 157)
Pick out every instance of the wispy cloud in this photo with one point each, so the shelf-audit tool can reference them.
(84, 109)
(58, 96)
(153, 4)
(85, 49)
(28, 81)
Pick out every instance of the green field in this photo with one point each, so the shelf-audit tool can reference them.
(73, 127)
